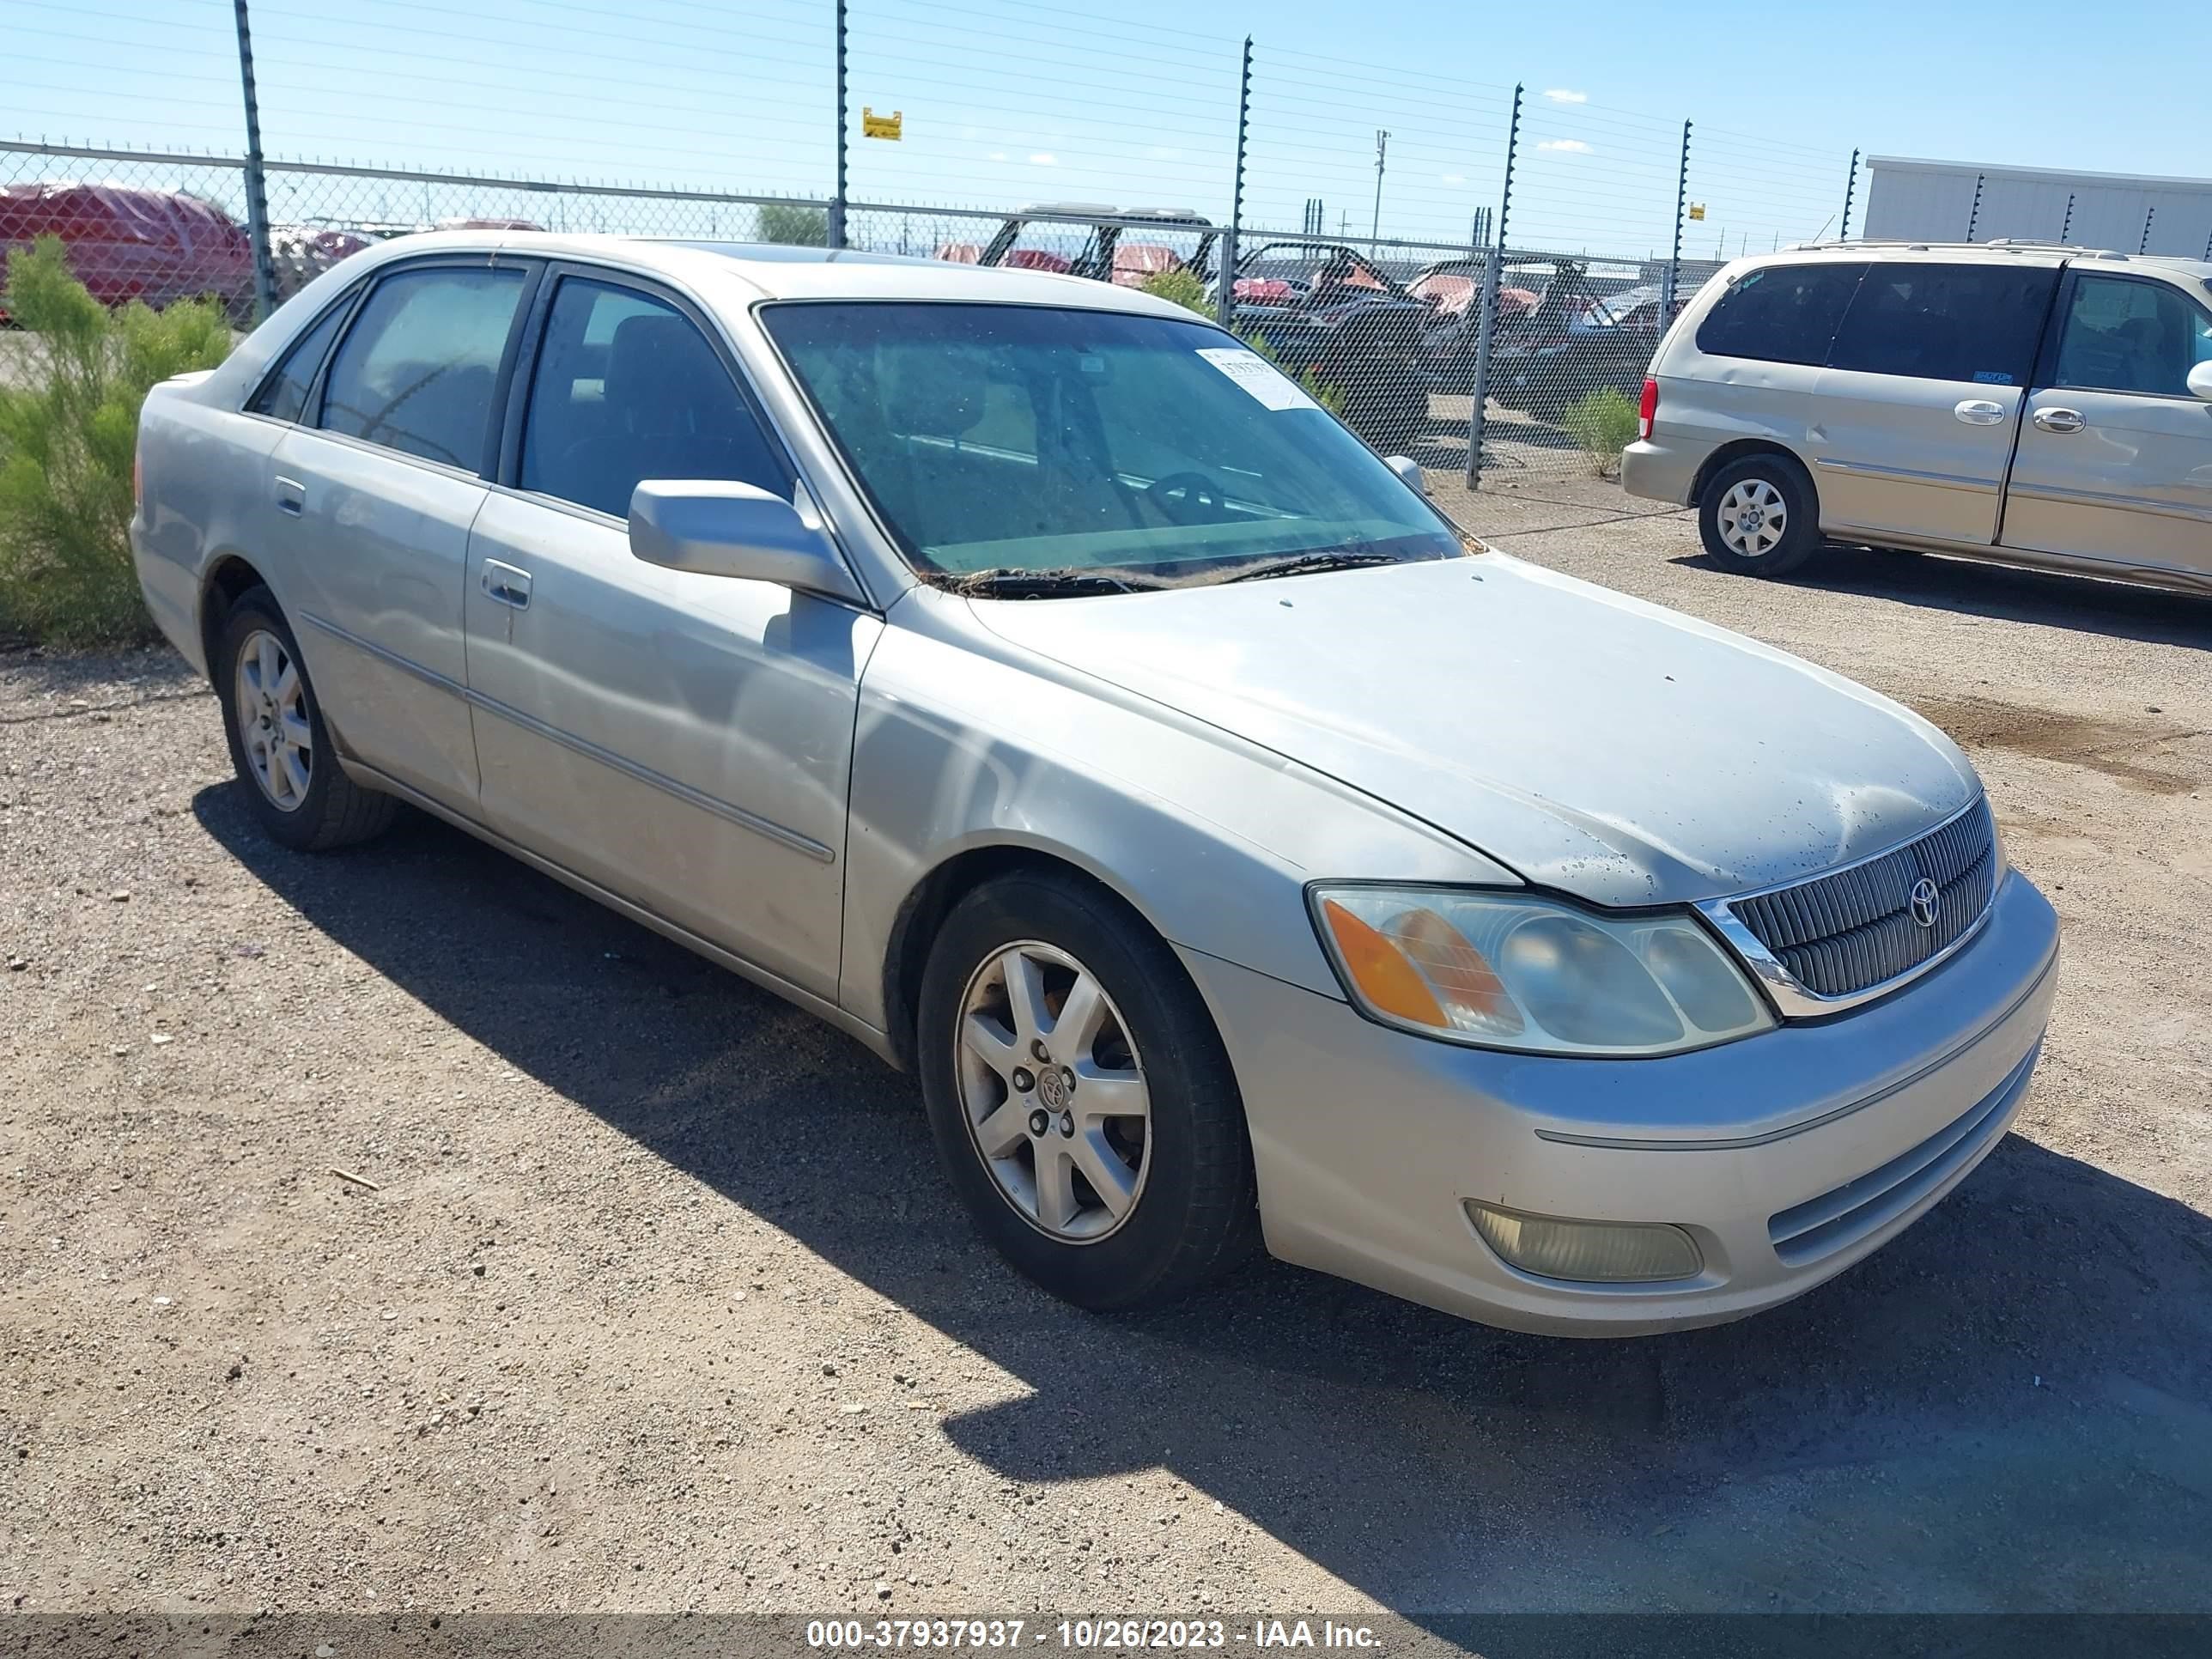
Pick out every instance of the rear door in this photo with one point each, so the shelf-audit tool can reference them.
(373, 496)
(683, 740)
(2115, 461)
(1913, 419)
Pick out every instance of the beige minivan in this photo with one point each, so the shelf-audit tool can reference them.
(2032, 405)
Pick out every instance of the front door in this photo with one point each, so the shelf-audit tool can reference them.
(376, 496)
(1912, 421)
(2115, 462)
(683, 740)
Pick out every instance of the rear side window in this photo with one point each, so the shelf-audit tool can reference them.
(1780, 313)
(1975, 323)
(416, 371)
(626, 389)
(284, 393)
(2124, 336)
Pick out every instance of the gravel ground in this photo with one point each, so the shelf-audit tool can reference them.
(649, 1294)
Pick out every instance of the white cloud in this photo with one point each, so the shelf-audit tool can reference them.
(1454, 178)
(1565, 146)
(1044, 158)
(1164, 153)
(997, 155)
(1566, 95)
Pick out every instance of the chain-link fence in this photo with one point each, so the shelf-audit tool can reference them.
(1389, 299)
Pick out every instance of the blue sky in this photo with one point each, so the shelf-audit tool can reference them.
(1013, 100)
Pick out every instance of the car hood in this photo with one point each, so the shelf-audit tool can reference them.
(1594, 744)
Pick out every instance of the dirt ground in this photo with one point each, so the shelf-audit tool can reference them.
(649, 1294)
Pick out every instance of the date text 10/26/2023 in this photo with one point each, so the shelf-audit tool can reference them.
(1089, 1635)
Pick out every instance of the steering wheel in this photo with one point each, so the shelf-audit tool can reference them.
(1188, 498)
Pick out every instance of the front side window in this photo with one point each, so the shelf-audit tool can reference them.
(2126, 336)
(1780, 313)
(1974, 323)
(283, 395)
(417, 370)
(1017, 439)
(627, 389)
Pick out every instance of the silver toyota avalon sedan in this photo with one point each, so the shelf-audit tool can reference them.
(1023, 675)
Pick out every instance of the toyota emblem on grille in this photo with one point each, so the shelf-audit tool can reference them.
(1926, 900)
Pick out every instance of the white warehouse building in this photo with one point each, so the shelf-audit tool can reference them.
(1913, 201)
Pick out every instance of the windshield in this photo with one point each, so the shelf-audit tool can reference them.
(996, 438)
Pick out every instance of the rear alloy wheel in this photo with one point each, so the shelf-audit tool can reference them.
(278, 742)
(1759, 517)
(1082, 1103)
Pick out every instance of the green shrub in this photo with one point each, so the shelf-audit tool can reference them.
(1178, 287)
(70, 386)
(1602, 424)
(794, 224)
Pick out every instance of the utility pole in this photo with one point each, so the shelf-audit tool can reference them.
(257, 185)
(1382, 152)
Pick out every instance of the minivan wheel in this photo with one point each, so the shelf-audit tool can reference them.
(278, 745)
(1082, 1103)
(1759, 516)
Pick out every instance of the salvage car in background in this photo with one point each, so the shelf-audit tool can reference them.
(1330, 312)
(2026, 405)
(126, 243)
(1027, 677)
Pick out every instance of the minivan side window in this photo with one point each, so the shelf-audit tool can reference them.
(418, 369)
(627, 388)
(1932, 322)
(284, 393)
(1780, 313)
(2123, 335)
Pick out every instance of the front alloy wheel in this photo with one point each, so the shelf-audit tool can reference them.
(1053, 1093)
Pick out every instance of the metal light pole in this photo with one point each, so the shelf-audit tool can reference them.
(257, 187)
(1381, 153)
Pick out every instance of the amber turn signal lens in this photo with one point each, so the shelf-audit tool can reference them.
(1390, 984)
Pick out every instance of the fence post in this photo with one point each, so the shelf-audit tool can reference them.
(1227, 300)
(1487, 320)
(1675, 259)
(1850, 188)
(1974, 214)
(836, 237)
(257, 189)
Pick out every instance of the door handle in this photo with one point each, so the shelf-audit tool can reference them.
(507, 584)
(2060, 420)
(291, 494)
(1980, 411)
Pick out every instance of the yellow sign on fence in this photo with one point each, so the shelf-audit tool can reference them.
(1697, 209)
(873, 125)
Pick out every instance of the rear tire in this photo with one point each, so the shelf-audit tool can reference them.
(287, 768)
(1103, 1205)
(1759, 516)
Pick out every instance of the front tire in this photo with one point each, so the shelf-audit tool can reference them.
(287, 769)
(1083, 1106)
(1759, 516)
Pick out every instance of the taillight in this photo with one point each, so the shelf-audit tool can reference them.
(1647, 408)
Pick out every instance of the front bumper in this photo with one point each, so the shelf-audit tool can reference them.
(1787, 1156)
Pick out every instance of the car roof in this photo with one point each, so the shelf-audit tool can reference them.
(1991, 253)
(743, 272)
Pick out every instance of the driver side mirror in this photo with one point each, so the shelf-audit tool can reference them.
(715, 527)
(2200, 380)
(1409, 472)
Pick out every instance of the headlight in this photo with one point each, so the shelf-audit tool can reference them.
(1512, 970)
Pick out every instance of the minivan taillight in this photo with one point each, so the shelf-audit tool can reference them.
(1647, 408)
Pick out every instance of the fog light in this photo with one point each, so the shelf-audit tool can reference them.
(1608, 1252)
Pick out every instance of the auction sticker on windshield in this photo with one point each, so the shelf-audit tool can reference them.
(1258, 376)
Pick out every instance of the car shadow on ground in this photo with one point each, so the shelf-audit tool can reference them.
(2084, 604)
(1999, 1412)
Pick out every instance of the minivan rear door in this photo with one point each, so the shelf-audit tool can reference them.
(1914, 418)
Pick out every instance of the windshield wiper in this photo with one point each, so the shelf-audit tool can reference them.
(1300, 564)
(1069, 582)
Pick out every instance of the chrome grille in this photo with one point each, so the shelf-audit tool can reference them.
(1842, 932)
